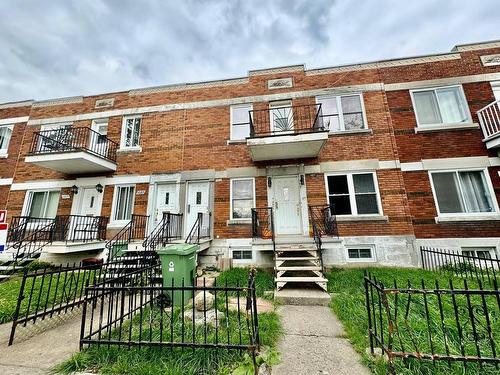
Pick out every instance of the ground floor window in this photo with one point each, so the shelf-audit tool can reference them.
(242, 198)
(479, 252)
(42, 204)
(242, 254)
(124, 202)
(353, 193)
(360, 253)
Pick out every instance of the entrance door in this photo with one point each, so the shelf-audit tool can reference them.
(166, 200)
(197, 201)
(90, 205)
(286, 205)
(86, 228)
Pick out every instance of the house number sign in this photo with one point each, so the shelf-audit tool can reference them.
(140, 192)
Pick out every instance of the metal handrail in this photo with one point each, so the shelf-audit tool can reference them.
(79, 228)
(136, 228)
(489, 118)
(323, 223)
(197, 230)
(169, 228)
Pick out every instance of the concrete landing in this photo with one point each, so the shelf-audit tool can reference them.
(314, 343)
(302, 297)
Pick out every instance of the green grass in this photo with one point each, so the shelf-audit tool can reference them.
(122, 360)
(349, 305)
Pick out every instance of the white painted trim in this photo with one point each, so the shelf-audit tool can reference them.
(442, 82)
(467, 217)
(112, 220)
(58, 184)
(6, 181)
(231, 218)
(451, 163)
(14, 120)
(340, 112)
(389, 164)
(477, 46)
(25, 103)
(446, 127)
(231, 108)
(373, 253)
(363, 217)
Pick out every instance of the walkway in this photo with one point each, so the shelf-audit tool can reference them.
(314, 343)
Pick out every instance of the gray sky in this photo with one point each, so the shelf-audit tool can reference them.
(56, 48)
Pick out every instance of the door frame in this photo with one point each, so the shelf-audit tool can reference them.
(303, 200)
(186, 203)
(76, 205)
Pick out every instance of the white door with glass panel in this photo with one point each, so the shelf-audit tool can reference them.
(90, 202)
(84, 225)
(197, 202)
(55, 137)
(166, 200)
(281, 117)
(285, 193)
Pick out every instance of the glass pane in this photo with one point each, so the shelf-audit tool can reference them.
(198, 197)
(241, 131)
(247, 254)
(130, 199)
(447, 192)
(167, 198)
(128, 132)
(353, 253)
(426, 107)
(353, 121)
(332, 123)
(281, 118)
(237, 254)
(337, 185)
(242, 189)
(124, 203)
(367, 203)
(328, 106)
(363, 183)
(342, 204)
(241, 115)
(351, 103)
(5, 134)
(475, 193)
(365, 253)
(137, 132)
(242, 209)
(451, 105)
(53, 202)
(37, 203)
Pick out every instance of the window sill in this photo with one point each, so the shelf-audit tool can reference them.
(463, 218)
(239, 222)
(236, 141)
(444, 127)
(350, 132)
(4, 156)
(117, 224)
(129, 149)
(348, 218)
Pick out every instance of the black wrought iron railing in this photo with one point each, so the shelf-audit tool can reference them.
(22, 226)
(323, 224)
(73, 139)
(31, 245)
(201, 228)
(136, 229)
(79, 228)
(286, 120)
(168, 229)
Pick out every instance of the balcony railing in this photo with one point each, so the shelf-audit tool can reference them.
(489, 118)
(287, 120)
(71, 140)
(78, 228)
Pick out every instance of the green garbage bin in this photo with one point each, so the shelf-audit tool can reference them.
(178, 262)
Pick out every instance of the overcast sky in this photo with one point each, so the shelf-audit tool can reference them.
(56, 48)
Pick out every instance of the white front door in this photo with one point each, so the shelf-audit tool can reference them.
(90, 202)
(197, 201)
(285, 195)
(166, 200)
(81, 228)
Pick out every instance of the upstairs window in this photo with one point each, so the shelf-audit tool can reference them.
(240, 121)
(353, 194)
(342, 113)
(5, 134)
(42, 204)
(445, 105)
(459, 192)
(124, 203)
(242, 198)
(131, 132)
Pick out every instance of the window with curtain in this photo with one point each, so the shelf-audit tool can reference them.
(124, 202)
(446, 105)
(240, 121)
(462, 192)
(341, 113)
(242, 198)
(131, 132)
(42, 204)
(353, 194)
(5, 134)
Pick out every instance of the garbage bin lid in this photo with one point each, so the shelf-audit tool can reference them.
(178, 249)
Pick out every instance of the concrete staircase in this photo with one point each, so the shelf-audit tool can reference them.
(298, 264)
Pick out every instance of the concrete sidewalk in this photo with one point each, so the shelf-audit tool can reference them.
(313, 343)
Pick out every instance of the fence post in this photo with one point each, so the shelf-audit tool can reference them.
(18, 306)
(84, 314)
(367, 296)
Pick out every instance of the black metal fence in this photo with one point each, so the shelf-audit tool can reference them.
(30, 245)
(182, 315)
(450, 323)
(21, 226)
(286, 120)
(70, 139)
(481, 268)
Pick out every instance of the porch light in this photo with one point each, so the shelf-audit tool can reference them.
(302, 179)
(269, 182)
(99, 188)
(74, 189)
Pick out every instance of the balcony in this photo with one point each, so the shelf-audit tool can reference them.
(489, 118)
(73, 151)
(286, 132)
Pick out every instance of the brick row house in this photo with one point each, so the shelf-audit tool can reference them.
(378, 158)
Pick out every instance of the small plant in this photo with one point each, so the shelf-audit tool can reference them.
(269, 357)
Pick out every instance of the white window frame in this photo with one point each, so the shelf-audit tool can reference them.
(4, 152)
(491, 249)
(231, 198)
(231, 108)
(28, 199)
(123, 134)
(495, 87)
(443, 124)
(242, 248)
(341, 113)
(352, 195)
(489, 186)
(115, 203)
(96, 123)
(372, 259)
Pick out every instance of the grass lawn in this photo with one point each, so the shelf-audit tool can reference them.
(122, 360)
(349, 305)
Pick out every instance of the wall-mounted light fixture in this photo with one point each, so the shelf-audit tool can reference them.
(269, 182)
(74, 189)
(302, 179)
(99, 188)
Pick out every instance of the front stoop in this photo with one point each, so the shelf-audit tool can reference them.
(302, 297)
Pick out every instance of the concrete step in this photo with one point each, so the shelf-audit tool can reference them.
(299, 268)
(300, 279)
(312, 257)
(294, 249)
(303, 297)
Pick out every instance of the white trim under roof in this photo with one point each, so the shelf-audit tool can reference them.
(477, 46)
(14, 120)
(6, 181)
(24, 103)
(55, 184)
(451, 163)
(430, 83)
